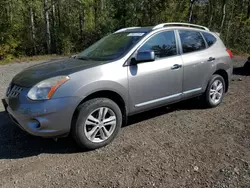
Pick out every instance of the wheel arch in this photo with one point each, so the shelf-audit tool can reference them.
(225, 76)
(112, 95)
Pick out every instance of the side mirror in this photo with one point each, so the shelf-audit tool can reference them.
(144, 56)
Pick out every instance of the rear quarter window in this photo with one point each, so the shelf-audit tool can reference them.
(209, 38)
(191, 41)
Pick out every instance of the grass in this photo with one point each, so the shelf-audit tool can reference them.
(29, 59)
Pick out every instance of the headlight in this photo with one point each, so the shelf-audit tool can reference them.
(45, 89)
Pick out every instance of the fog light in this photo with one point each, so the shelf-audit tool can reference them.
(34, 124)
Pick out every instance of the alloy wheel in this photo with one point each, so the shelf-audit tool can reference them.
(100, 124)
(216, 92)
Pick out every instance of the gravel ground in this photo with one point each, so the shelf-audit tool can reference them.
(182, 145)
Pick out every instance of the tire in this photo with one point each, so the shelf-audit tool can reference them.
(219, 95)
(91, 110)
(247, 65)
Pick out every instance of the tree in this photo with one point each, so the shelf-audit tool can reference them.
(191, 6)
(248, 11)
(47, 26)
(68, 26)
(33, 33)
(54, 26)
(223, 11)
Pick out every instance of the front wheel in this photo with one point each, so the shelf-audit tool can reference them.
(98, 123)
(215, 91)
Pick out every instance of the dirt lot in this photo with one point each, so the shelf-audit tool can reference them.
(180, 146)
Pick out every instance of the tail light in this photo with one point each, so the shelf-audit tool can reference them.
(230, 53)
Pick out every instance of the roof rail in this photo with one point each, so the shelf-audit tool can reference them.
(124, 29)
(179, 24)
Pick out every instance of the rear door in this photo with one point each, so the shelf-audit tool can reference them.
(196, 61)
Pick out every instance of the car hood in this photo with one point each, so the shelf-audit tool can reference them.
(35, 74)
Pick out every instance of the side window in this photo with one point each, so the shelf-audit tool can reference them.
(163, 44)
(209, 38)
(192, 41)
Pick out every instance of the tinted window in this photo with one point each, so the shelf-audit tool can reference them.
(209, 38)
(163, 44)
(192, 41)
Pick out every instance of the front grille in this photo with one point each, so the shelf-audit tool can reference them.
(14, 91)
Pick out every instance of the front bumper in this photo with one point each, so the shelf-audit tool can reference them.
(51, 118)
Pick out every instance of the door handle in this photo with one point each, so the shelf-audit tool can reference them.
(211, 59)
(176, 66)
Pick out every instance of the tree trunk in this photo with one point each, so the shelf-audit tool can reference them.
(11, 14)
(210, 21)
(81, 22)
(47, 26)
(223, 15)
(191, 11)
(103, 5)
(124, 13)
(248, 10)
(54, 26)
(59, 13)
(95, 13)
(33, 33)
(211, 12)
(242, 6)
(229, 23)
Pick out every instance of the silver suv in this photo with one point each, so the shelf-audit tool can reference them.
(132, 70)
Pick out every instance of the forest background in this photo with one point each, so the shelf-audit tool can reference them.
(39, 27)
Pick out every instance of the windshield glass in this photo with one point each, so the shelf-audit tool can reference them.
(111, 47)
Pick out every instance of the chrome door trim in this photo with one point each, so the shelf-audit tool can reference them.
(191, 91)
(166, 98)
(158, 100)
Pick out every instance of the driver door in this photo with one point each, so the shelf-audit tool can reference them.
(152, 84)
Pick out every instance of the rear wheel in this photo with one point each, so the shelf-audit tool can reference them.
(98, 123)
(215, 91)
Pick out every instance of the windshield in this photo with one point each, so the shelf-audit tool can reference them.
(111, 47)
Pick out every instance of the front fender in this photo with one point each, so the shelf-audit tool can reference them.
(98, 86)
